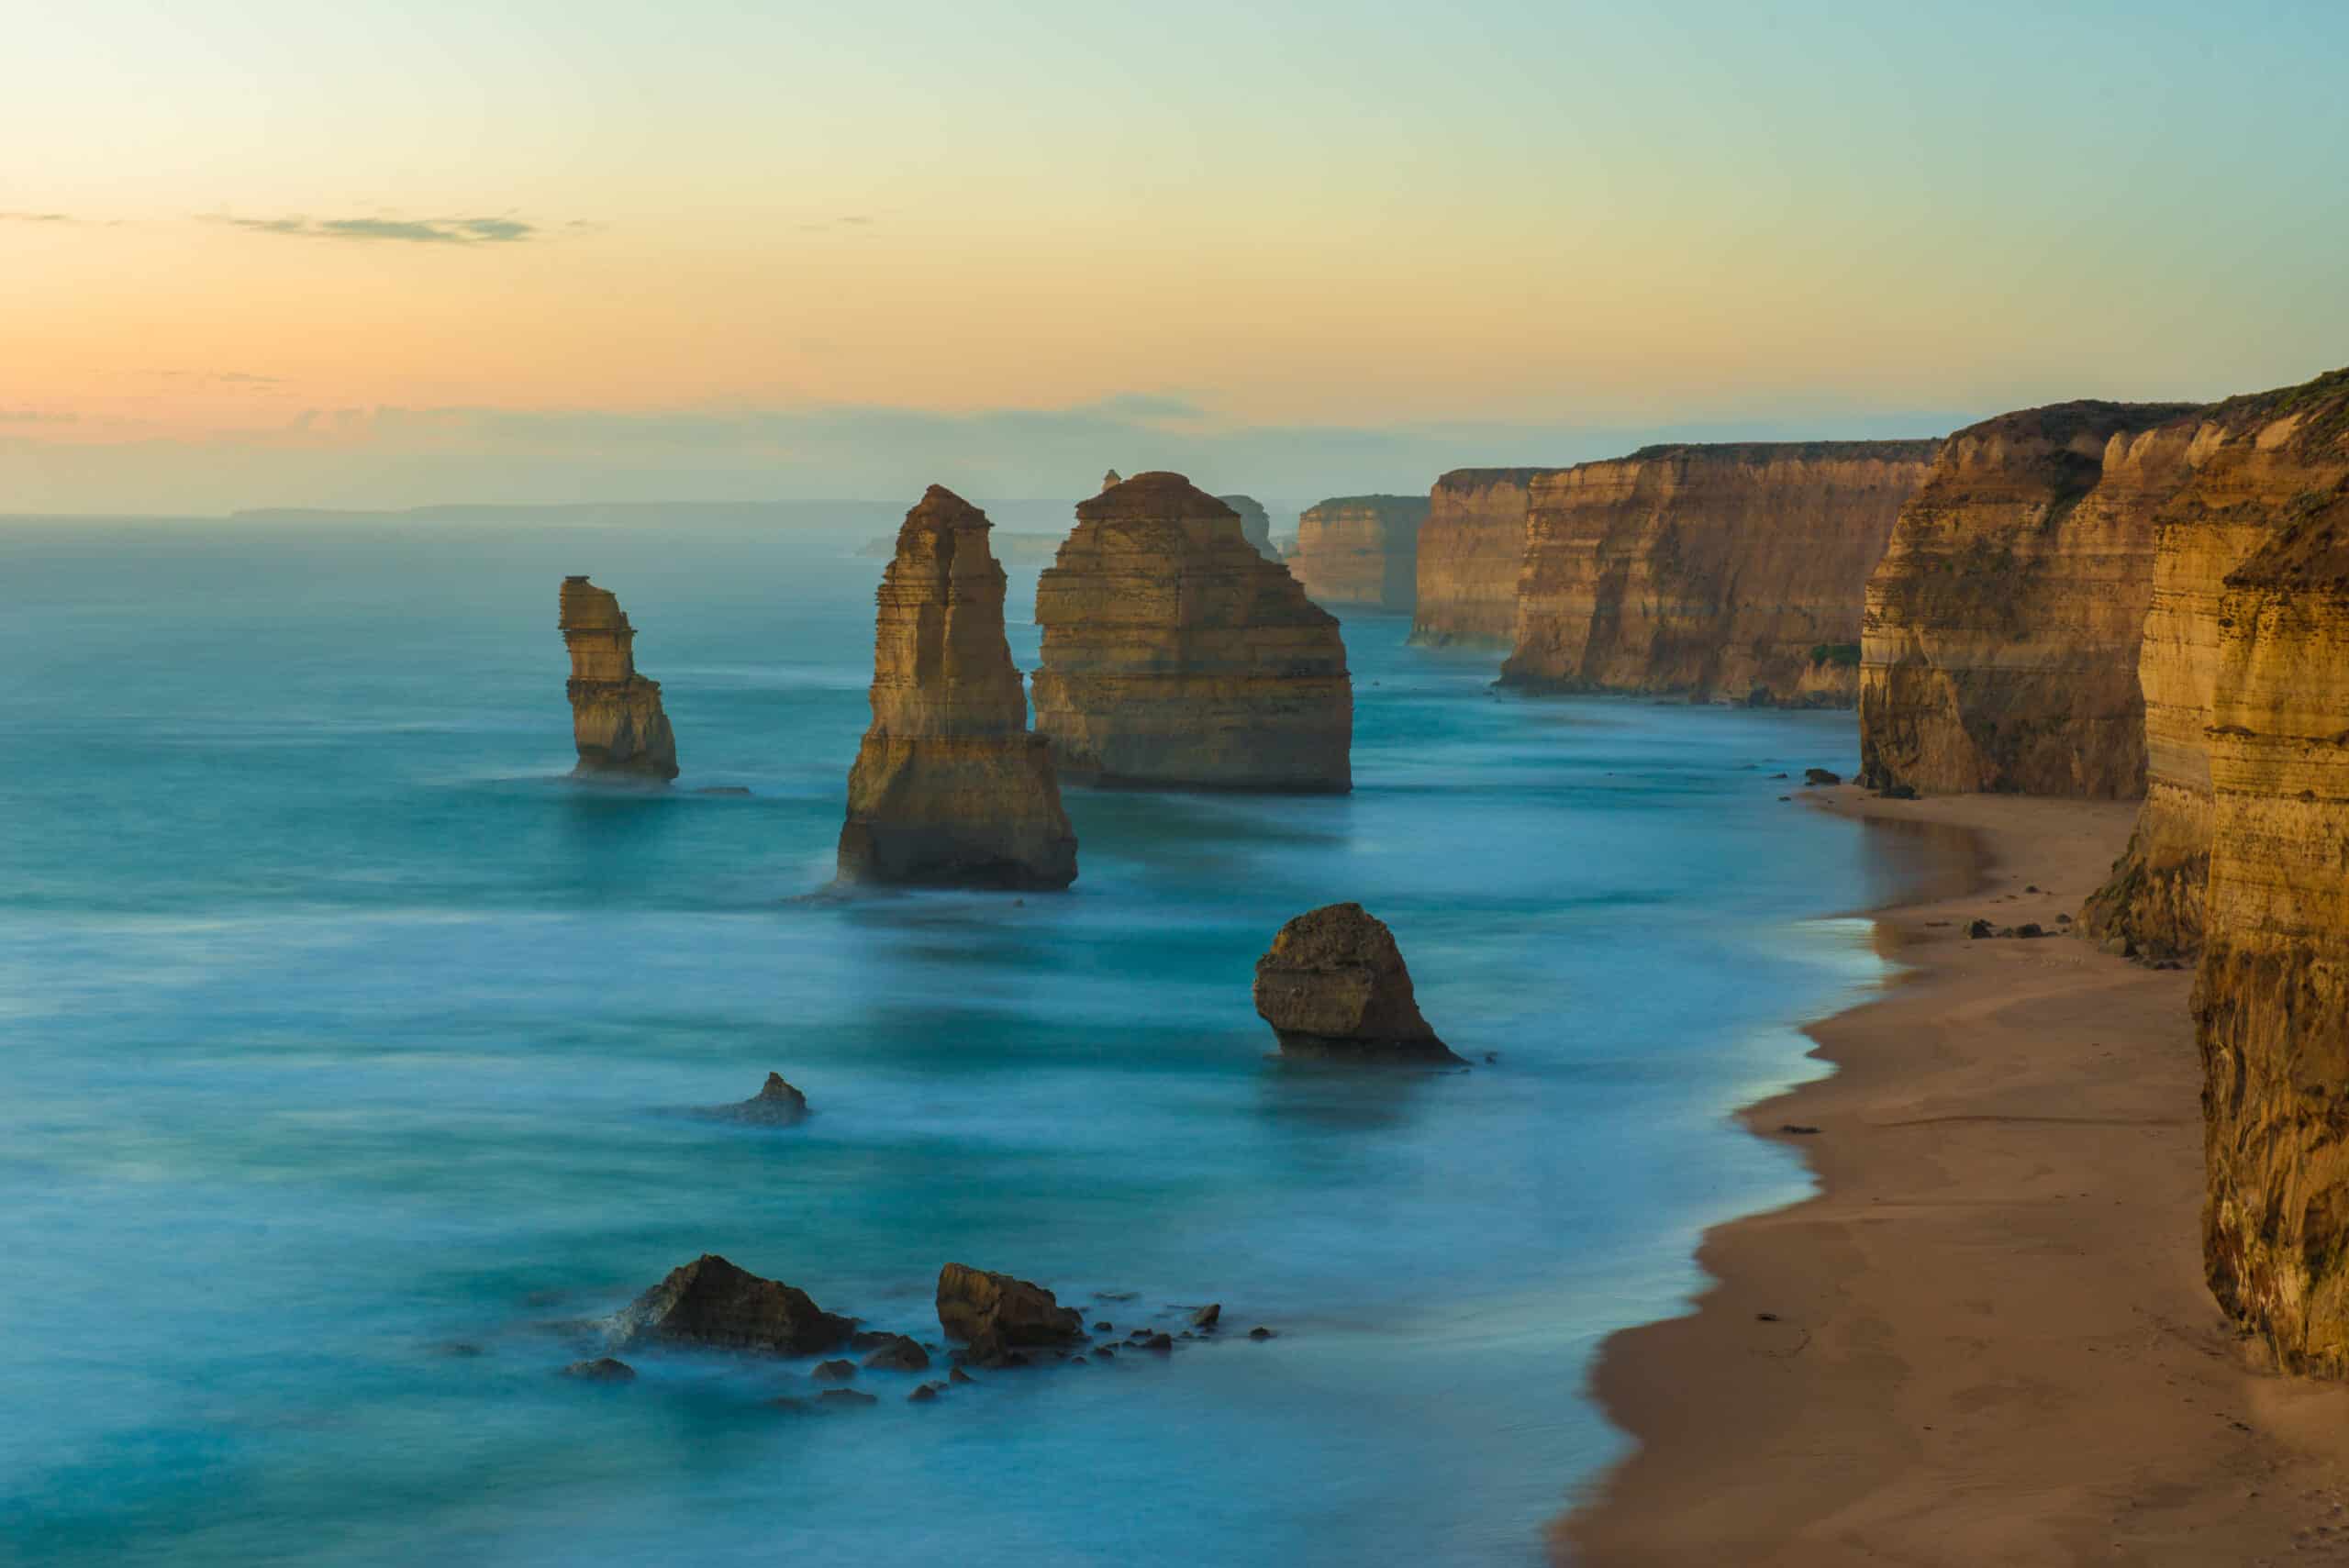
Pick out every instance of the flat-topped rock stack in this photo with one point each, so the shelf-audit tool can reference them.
(1174, 655)
(949, 787)
(1360, 550)
(616, 720)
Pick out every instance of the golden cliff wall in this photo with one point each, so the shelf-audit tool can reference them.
(2000, 642)
(948, 786)
(1176, 655)
(2252, 461)
(1472, 548)
(1360, 550)
(2271, 999)
(616, 721)
(1733, 571)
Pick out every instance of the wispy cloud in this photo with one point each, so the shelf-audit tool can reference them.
(398, 230)
(38, 217)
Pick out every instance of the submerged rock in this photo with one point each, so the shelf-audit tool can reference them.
(1822, 776)
(898, 1353)
(996, 1314)
(776, 1105)
(603, 1369)
(711, 1302)
(1333, 983)
(616, 721)
(948, 787)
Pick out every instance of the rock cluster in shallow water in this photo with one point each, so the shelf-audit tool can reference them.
(616, 720)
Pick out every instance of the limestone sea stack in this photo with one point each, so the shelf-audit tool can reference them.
(1730, 572)
(1472, 548)
(615, 717)
(994, 1313)
(2257, 467)
(2271, 999)
(1360, 550)
(1174, 655)
(1255, 523)
(1333, 985)
(950, 788)
(2001, 643)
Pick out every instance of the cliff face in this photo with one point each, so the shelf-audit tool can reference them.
(949, 787)
(1173, 654)
(615, 717)
(1733, 571)
(1472, 548)
(1360, 550)
(2272, 996)
(1255, 524)
(1999, 646)
(2252, 464)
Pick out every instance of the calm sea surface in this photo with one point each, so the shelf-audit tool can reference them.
(345, 1049)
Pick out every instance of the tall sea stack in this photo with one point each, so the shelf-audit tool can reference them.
(1731, 573)
(1999, 649)
(1360, 550)
(1176, 655)
(615, 717)
(950, 788)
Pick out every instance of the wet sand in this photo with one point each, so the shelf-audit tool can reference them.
(1987, 1340)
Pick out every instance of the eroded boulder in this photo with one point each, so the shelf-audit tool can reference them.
(1334, 984)
(712, 1302)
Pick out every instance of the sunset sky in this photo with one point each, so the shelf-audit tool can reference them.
(381, 254)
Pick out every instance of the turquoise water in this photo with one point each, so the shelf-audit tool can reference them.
(347, 1049)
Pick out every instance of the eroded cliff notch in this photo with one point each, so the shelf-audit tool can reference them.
(1360, 550)
(616, 721)
(1731, 573)
(2000, 644)
(950, 788)
(1176, 655)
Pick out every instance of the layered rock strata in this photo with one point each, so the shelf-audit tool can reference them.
(1472, 549)
(1255, 523)
(1333, 983)
(1725, 573)
(712, 1302)
(616, 720)
(2255, 467)
(1360, 550)
(2272, 996)
(950, 788)
(2000, 644)
(1174, 655)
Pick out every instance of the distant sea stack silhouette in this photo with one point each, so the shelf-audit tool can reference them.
(950, 788)
(1110, 480)
(1255, 523)
(1360, 550)
(615, 716)
(1174, 655)
(1333, 985)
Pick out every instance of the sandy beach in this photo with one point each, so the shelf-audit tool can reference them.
(1987, 1339)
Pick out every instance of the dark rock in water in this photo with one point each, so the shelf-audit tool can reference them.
(925, 1394)
(959, 1375)
(1979, 928)
(1113, 1295)
(1106, 1352)
(457, 1350)
(1777, 775)
(1334, 984)
(778, 1105)
(834, 1371)
(711, 1302)
(1260, 1332)
(723, 789)
(1165, 1342)
(899, 1354)
(843, 1399)
(1209, 1316)
(865, 1339)
(603, 1369)
(992, 1313)
(1820, 776)
(1105, 1326)
(1796, 1129)
(2030, 929)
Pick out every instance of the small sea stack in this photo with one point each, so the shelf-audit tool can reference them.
(1255, 523)
(1360, 551)
(1334, 985)
(615, 716)
(950, 788)
(1176, 656)
(996, 1314)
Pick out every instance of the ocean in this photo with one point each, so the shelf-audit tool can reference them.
(349, 1054)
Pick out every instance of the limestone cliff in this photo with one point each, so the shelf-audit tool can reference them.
(1173, 654)
(1360, 550)
(2272, 996)
(1999, 646)
(2252, 465)
(1730, 572)
(1471, 548)
(949, 787)
(1255, 523)
(615, 717)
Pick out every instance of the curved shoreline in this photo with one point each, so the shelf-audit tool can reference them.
(1985, 1338)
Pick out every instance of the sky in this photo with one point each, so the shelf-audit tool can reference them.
(378, 254)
